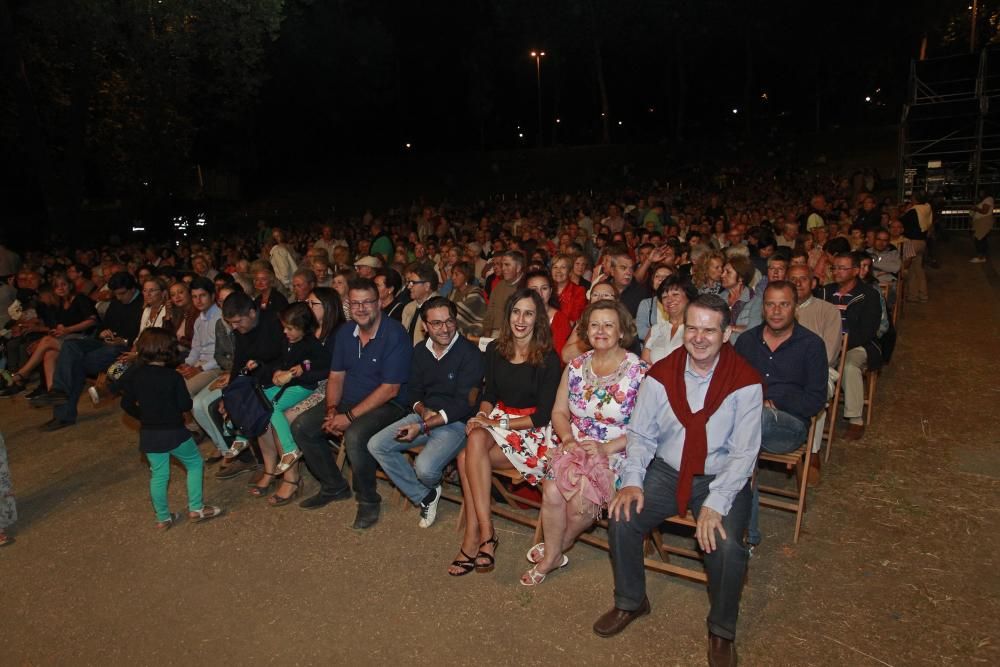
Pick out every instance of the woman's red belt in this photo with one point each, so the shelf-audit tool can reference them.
(517, 412)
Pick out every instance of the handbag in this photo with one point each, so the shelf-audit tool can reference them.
(247, 405)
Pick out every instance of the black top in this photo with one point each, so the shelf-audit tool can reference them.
(265, 344)
(80, 309)
(394, 309)
(158, 398)
(296, 353)
(124, 318)
(452, 383)
(523, 385)
(276, 303)
(633, 295)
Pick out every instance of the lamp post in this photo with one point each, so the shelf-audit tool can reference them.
(538, 55)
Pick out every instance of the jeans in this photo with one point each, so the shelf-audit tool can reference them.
(725, 566)
(780, 433)
(206, 413)
(79, 358)
(159, 464)
(307, 432)
(440, 447)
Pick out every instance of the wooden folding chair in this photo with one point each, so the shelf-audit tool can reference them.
(799, 461)
(831, 415)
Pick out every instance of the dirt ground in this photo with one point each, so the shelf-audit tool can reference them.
(897, 563)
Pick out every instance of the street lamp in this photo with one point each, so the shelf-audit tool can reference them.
(538, 55)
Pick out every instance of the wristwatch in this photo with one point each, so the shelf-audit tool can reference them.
(505, 423)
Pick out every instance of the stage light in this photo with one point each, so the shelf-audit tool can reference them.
(735, 111)
(868, 98)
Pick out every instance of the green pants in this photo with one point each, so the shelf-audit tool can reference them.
(282, 429)
(159, 463)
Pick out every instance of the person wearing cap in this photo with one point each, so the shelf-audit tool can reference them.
(367, 266)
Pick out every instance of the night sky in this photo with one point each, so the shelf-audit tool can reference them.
(122, 100)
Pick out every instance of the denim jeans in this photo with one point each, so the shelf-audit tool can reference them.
(780, 433)
(440, 447)
(79, 358)
(205, 402)
(725, 566)
(308, 434)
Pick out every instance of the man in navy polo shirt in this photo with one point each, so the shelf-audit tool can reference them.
(446, 376)
(365, 392)
(792, 362)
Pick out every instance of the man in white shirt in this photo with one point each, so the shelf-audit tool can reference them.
(200, 368)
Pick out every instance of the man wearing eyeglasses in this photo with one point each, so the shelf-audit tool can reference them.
(445, 376)
(365, 392)
(860, 309)
(422, 281)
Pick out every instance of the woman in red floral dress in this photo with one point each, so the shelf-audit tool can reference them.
(512, 428)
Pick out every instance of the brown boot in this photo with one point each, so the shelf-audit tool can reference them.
(616, 620)
(721, 652)
(814, 464)
(855, 432)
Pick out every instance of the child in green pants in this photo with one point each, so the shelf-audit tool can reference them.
(294, 377)
(154, 393)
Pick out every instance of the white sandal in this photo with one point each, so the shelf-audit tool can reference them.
(540, 550)
(205, 513)
(239, 444)
(284, 465)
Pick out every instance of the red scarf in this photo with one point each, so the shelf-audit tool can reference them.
(731, 373)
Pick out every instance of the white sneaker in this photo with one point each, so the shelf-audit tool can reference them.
(95, 396)
(429, 511)
(977, 260)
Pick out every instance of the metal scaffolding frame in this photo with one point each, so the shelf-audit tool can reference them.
(949, 133)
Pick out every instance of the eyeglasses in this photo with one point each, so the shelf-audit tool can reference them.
(354, 305)
(411, 283)
(437, 324)
(152, 291)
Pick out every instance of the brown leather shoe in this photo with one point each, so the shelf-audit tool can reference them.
(855, 432)
(616, 620)
(721, 652)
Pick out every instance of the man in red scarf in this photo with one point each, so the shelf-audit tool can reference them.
(693, 440)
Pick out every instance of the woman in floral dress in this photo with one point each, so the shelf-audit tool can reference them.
(512, 428)
(590, 415)
(8, 510)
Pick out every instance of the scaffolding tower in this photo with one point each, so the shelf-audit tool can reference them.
(949, 134)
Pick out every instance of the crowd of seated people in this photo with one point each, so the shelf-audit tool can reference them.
(498, 336)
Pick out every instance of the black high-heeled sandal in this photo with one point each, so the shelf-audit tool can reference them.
(262, 491)
(484, 568)
(277, 501)
(467, 565)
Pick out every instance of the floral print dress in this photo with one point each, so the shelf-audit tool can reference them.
(600, 406)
